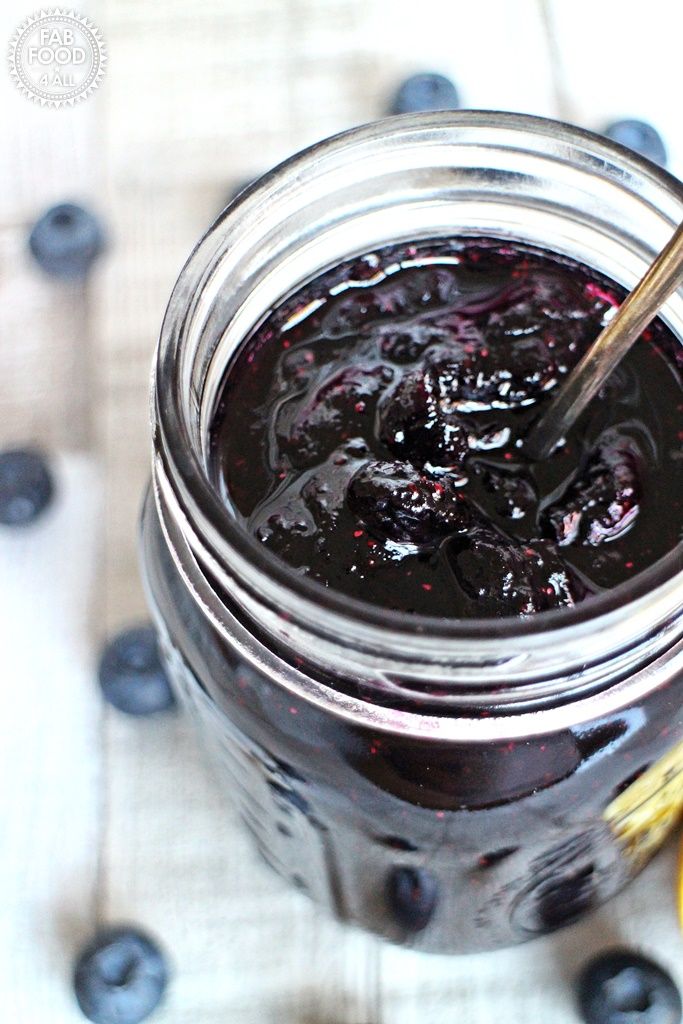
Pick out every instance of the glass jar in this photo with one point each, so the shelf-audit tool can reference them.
(455, 785)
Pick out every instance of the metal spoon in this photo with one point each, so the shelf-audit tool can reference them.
(637, 310)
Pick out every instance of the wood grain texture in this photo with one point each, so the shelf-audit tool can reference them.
(50, 748)
(45, 394)
(110, 819)
(45, 333)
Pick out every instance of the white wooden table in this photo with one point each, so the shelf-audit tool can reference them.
(106, 819)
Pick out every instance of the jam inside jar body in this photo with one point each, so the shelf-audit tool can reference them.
(454, 785)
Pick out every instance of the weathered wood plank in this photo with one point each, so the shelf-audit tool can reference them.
(47, 155)
(50, 763)
(45, 352)
(246, 947)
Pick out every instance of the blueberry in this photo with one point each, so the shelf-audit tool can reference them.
(397, 502)
(639, 136)
(623, 987)
(65, 240)
(120, 977)
(412, 895)
(425, 91)
(416, 423)
(131, 675)
(26, 486)
(523, 347)
(603, 502)
(507, 578)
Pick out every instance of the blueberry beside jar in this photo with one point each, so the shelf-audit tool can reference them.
(453, 783)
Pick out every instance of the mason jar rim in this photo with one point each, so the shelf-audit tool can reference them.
(218, 540)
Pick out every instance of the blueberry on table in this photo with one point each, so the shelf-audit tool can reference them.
(425, 91)
(639, 136)
(120, 977)
(26, 486)
(623, 987)
(65, 240)
(412, 895)
(131, 674)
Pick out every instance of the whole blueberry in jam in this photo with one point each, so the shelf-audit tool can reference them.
(396, 501)
(604, 499)
(507, 577)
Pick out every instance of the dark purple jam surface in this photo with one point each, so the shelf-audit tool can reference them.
(368, 432)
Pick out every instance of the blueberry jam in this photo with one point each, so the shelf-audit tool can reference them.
(381, 411)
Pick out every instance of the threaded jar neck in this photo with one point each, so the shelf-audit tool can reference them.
(404, 179)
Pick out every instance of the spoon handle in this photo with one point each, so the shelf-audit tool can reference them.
(635, 313)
